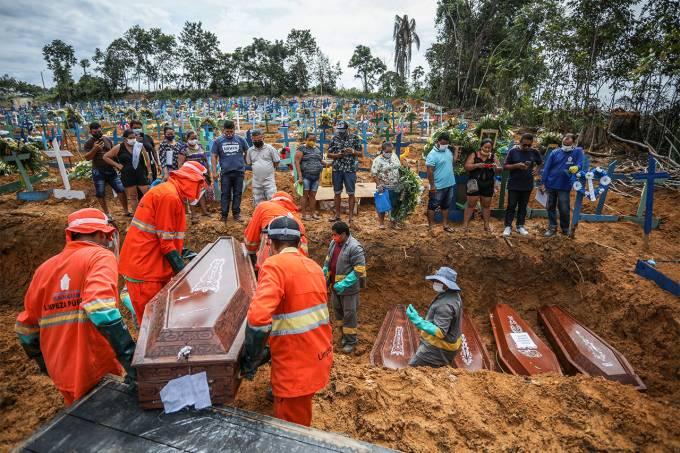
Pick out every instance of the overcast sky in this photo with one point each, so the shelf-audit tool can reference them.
(27, 25)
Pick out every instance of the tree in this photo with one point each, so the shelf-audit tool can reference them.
(392, 85)
(163, 60)
(199, 51)
(404, 36)
(368, 67)
(60, 58)
(301, 48)
(325, 74)
(84, 63)
(112, 64)
(417, 78)
(140, 43)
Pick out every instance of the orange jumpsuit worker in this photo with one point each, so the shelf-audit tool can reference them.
(281, 204)
(151, 252)
(70, 324)
(289, 308)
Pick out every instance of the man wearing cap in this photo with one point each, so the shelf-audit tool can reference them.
(282, 204)
(345, 271)
(263, 158)
(289, 308)
(151, 253)
(71, 325)
(344, 149)
(440, 330)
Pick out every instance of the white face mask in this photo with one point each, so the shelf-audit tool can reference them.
(137, 131)
(193, 142)
(443, 147)
(567, 147)
(131, 141)
(195, 202)
(438, 287)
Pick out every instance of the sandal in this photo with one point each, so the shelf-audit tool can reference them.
(382, 227)
(448, 229)
(334, 219)
(316, 216)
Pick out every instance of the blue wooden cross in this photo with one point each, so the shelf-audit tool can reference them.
(322, 140)
(398, 144)
(649, 177)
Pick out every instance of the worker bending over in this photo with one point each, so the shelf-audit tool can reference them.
(151, 252)
(281, 204)
(289, 308)
(440, 330)
(71, 325)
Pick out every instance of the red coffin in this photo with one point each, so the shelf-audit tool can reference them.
(581, 350)
(203, 307)
(397, 340)
(519, 349)
(472, 355)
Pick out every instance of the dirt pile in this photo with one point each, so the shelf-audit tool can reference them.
(419, 410)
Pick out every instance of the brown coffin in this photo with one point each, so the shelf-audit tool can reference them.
(397, 340)
(520, 351)
(580, 350)
(472, 355)
(204, 306)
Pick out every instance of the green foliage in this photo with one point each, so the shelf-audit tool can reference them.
(500, 122)
(411, 187)
(404, 36)
(9, 86)
(35, 163)
(547, 138)
(60, 59)
(369, 68)
(82, 170)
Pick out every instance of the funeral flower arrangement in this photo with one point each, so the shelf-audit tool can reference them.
(411, 189)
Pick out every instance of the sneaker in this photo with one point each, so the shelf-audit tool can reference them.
(507, 231)
(237, 217)
(550, 233)
(348, 348)
(523, 231)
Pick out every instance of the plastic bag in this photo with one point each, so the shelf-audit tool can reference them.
(382, 201)
(327, 177)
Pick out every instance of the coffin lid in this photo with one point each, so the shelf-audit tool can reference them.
(397, 340)
(473, 355)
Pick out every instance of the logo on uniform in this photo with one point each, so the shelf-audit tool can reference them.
(64, 282)
(569, 159)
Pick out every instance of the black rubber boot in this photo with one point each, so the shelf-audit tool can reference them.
(122, 344)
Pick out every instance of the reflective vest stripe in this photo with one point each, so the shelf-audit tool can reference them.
(25, 329)
(440, 343)
(143, 226)
(361, 270)
(63, 318)
(170, 235)
(100, 304)
(300, 321)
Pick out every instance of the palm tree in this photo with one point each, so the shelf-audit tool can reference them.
(404, 36)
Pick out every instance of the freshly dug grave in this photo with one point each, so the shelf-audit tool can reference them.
(426, 410)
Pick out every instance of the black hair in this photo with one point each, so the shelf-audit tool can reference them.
(229, 124)
(255, 132)
(280, 245)
(527, 136)
(95, 125)
(188, 133)
(310, 133)
(340, 227)
(485, 141)
(444, 136)
(573, 136)
(135, 121)
(385, 145)
(128, 132)
(166, 128)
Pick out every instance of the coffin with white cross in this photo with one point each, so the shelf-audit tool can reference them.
(196, 323)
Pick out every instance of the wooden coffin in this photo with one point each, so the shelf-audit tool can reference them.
(397, 340)
(580, 350)
(520, 351)
(264, 251)
(203, 307)
(472, 355)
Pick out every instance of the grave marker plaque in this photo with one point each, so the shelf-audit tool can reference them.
(203, 307)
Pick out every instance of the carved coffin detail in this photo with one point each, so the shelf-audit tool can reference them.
(397, 340)
(580, 350)
(520, 350)
(203, 307)
(472, 355)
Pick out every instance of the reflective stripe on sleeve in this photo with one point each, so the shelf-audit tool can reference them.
(361, 270)
(99, 304)
(170, 235)
(300, 321)
(63, 318)
(440, 343)
(143, 226)
(26, 329)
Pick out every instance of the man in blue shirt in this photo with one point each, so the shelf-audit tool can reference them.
(230, 150)
(558, 177)
(440, 161)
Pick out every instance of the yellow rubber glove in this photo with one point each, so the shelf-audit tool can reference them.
(573, 169)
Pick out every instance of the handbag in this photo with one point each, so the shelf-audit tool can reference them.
(472, 185)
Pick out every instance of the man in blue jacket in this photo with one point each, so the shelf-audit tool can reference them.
(558, 177)
(230, 150)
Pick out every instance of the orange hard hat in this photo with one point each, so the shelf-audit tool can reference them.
(191, 170)
(280, 195)
(88, 220)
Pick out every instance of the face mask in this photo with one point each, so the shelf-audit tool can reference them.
(131, 141)
(193, 142)
(337, 239)
(195, 202)
(340, 131)
(438, 287)
(137, 131)
(169, 137)
(310, 144)
(387, 155)
(97, 134)
(443, 147)
(258, 143)
(567, 147)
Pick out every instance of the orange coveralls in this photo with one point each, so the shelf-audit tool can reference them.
(157, 228)
(281, 204)
(291, 300)
(66, 294)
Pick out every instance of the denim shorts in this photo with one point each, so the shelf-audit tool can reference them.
(346, 178)
(441, 199)
(311, 183)
(108, 176)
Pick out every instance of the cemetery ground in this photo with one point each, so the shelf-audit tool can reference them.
(432, 409)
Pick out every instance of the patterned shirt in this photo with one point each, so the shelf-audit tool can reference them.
(386, 170)
(345, 163)
(169, 153)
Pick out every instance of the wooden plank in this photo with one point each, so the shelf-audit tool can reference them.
(17, 185)
(362, 190)
(647, 271)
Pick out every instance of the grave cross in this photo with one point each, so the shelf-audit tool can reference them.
(650, 177)
(322, 140)
(66, 192)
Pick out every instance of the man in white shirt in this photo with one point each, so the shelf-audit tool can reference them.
(263, 159)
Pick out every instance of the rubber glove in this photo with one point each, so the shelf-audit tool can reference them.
(31, 346)
(122, 344)
(255, 352)
(420, 323)
(125, 298)
(325, 271)
(175, 260)
(345, 283)
(573, 169)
